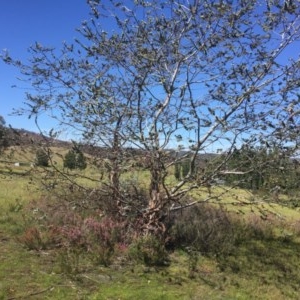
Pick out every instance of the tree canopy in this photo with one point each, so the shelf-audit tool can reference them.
(181, 75)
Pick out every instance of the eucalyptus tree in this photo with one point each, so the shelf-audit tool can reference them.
(184, 75)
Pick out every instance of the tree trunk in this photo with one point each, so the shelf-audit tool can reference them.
(154, 215)
(115, 175)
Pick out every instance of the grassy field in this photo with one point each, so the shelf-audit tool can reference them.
(258, 270)
(263, 266)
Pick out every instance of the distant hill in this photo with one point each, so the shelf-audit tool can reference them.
(22, 137)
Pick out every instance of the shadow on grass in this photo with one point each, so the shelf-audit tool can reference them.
(269, 261)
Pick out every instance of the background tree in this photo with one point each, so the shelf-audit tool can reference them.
(185, 75)
(75, 159)
(42, 158)
(185, 165)
(249, 167)
(262, 168)
(4, 140)
(80, 161)
(70, 160)
(177, 171)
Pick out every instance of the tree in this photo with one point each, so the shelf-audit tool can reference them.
(185, 165)
(42, 158)
(177, 171)
(70, 160)
(80, 161)
(249, 166)
(75, 159)
(4, 143)
(185, 75)
(262, 168)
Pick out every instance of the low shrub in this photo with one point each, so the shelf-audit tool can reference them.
(77, 232)
(193, 259)
(98, 237)
(213, 231)
(148, 250)
(69, 260)
(204, 228)
(102, 238)
(260, 229)
(34, 238)
(31, 239)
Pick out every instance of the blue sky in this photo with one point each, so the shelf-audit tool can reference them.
(22, 23)
(50, 22)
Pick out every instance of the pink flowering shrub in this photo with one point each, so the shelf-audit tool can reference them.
(81, 234)
(100, 238)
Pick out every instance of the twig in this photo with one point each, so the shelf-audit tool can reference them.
(32, 294)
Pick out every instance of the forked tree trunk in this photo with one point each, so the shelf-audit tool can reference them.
(153, 223)
(153, 216)
(115, 173)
